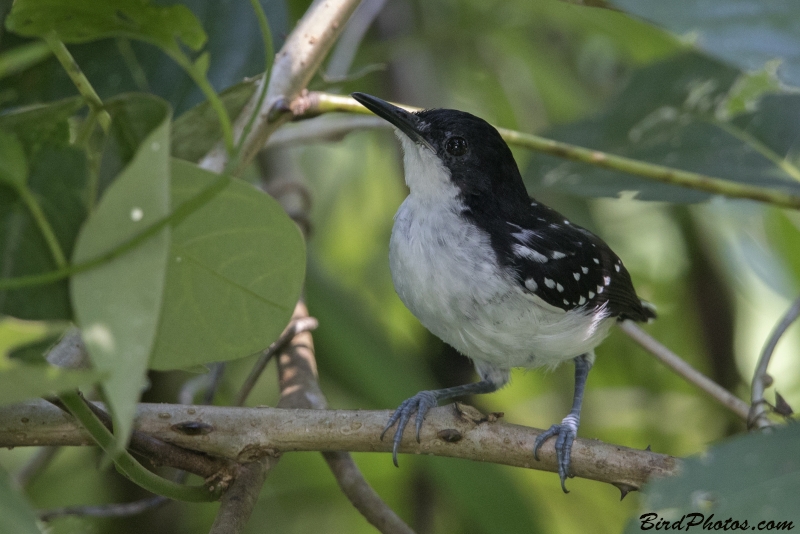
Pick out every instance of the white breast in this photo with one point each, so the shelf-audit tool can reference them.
(445, 271)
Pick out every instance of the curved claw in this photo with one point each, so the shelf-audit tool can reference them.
(419, 403)
(565, 435)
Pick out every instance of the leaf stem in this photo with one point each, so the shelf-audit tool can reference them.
(127, 464)
(269, 55)
(44, 225)
(318, 102)
(198, 75)
(79, 79)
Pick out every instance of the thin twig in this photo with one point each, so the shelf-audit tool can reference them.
(300, 390)
(361, 494)
(214, 380)
(757, 417)
(303, 324)
(692, 375)
(105, 510)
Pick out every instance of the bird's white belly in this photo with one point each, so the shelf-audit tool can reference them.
(445, 275)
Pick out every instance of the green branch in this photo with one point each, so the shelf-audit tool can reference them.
(323, 102)
(197, 72)
(127, 464)
(79, 79)
(269, 56)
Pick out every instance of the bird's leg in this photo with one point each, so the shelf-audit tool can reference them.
(568, 429)
(424, 401)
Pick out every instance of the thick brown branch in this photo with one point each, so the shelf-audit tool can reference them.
(248, 433)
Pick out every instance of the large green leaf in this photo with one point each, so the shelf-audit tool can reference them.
(751, 478)
(57, 180)
(117, 304)
(745, 33)
(673, 113)
(80, 21)
(236, 267)
(16, 513)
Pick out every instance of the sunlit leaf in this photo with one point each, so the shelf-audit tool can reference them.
(117, 304)
(235, 270)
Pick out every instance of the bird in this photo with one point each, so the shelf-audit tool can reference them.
(504, 279)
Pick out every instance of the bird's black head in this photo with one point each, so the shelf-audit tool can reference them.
(476, 160)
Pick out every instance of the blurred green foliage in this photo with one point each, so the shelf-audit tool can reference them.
(721, 273)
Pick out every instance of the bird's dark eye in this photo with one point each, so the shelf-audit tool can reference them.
(456, 146)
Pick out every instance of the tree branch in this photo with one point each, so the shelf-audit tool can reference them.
(294, 66)
(757, 417)
(245, 434)
(316, 103)
(692, 375)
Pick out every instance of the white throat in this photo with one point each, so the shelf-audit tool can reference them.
(425, 174)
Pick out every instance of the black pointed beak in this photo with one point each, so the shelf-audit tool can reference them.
(405, 121)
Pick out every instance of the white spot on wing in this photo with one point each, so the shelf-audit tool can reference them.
(616, 267)
(560, 288)
(558, 255)
(577, 276)
(606, 280)
(549, 283)
(531, 284)
(585, 270)
(582, 300)
(525, 252)
(596, 261)
(591, 294)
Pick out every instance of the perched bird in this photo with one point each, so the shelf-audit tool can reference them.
(504, 279)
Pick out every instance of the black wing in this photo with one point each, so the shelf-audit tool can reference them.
(565, 265)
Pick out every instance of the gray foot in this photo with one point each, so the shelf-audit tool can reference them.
(565, 435)
(419, 403)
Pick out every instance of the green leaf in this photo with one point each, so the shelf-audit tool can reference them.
(195, 132)
(82, 21)
(745, 33)
(236, 267)
(58, 180)
(668, 115)
(16, 513)
(755, 477)
(13, 165)
(117, 304)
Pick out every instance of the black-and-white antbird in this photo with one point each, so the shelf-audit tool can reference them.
(504, 279)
